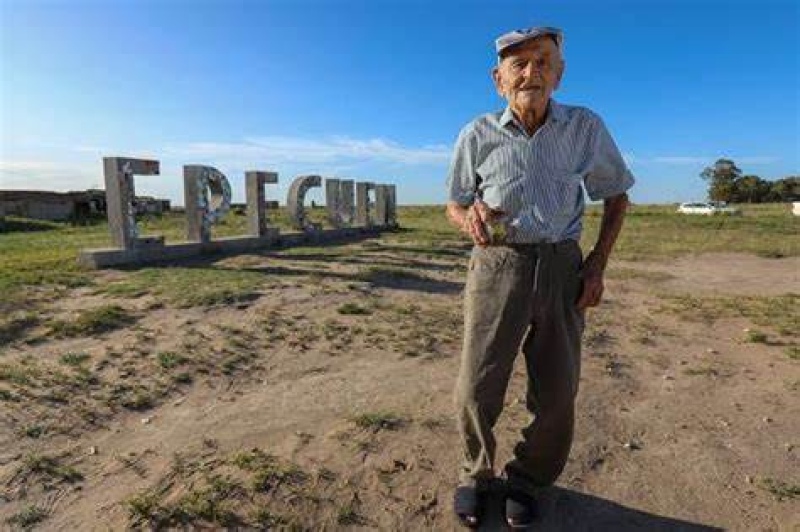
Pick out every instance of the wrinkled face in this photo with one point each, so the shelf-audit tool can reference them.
(529, 73)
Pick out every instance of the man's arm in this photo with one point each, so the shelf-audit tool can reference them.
(595, 263)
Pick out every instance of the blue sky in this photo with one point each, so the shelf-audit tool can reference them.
(378, 90)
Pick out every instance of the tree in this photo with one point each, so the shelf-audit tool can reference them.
(721, 179)
(751, 189)
(786, 189)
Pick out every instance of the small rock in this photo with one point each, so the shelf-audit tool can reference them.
(179, 401)
(748, 479)
(668, 378)
(146, 420)
(92, 450)
(632, 445)
(766, 419)
(711, 351)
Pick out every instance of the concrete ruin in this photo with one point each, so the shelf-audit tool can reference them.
(51, 206)
(69, 206)
(208, 199)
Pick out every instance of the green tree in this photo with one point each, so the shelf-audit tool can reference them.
(751, 189)
(721, 177)
(786, 189)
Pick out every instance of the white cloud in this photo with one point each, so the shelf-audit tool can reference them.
(709, 159)
(336, 150)
(49, 175)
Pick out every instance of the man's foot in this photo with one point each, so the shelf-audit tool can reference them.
(521, 509)
(467, 506)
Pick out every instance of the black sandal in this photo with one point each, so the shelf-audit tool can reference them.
(466, 504)
(521, 510)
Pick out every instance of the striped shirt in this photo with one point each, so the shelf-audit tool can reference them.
(537, 181)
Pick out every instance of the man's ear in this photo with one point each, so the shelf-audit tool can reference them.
(498, 81)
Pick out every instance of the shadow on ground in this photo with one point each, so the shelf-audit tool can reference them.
(568, 510)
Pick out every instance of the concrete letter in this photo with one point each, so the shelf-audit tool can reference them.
(256, 201)
(391, 211)
(333, 202)
(294, 201)
(346, 203)
(119, 172)
(201, 211)
(362, 204)
(382, 205)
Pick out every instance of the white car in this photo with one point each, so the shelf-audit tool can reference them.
(708, 208)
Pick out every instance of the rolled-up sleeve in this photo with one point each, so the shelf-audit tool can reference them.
(462, 180)
(607, 174)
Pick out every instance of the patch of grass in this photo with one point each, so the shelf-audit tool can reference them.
(268, 471)
(144, 506)
(19, 374)
(27, 518)
(14, 326)
(379, 421)
(706, 371)
(780, 489)
(770, 253)
(94, 321)
(170, 360)
(635, 273)
(268, 520)
(210, 503)
(756, 337)
(353, 309)
(74, 359)
(349, 516)
(33, 431)
(376, 274)
(186, 287)
(793, 352)
(183, 378)
(657, 231)
(50, 467)
(137, 398)
(777, 312)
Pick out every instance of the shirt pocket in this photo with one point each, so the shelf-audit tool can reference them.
(568, 190)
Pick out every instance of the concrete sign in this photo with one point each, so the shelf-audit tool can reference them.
(207, 194)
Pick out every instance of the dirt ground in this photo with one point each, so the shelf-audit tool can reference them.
(688, 416)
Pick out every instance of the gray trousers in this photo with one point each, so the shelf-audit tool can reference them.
(520, 296)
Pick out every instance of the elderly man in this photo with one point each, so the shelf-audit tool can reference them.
(516, 189)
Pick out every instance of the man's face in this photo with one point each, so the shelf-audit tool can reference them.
(529, 73)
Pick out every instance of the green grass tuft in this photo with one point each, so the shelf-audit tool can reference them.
(170, 360)
(353, 309)
(50, 467)
(94, 321)
(756, 337)
(780, 489)
(29, 517)
(74, 359)
(379, 421)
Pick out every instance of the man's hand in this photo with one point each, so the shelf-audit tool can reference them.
(475, 223)
(472, 220)
(592, 274)
(595, 263)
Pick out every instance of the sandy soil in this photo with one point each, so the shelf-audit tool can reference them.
(682, 424)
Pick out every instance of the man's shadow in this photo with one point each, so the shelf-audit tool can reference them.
(566, 510)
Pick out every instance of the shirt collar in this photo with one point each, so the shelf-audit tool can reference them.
(555, 113)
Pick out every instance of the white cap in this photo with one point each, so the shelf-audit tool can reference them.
(512, 38)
